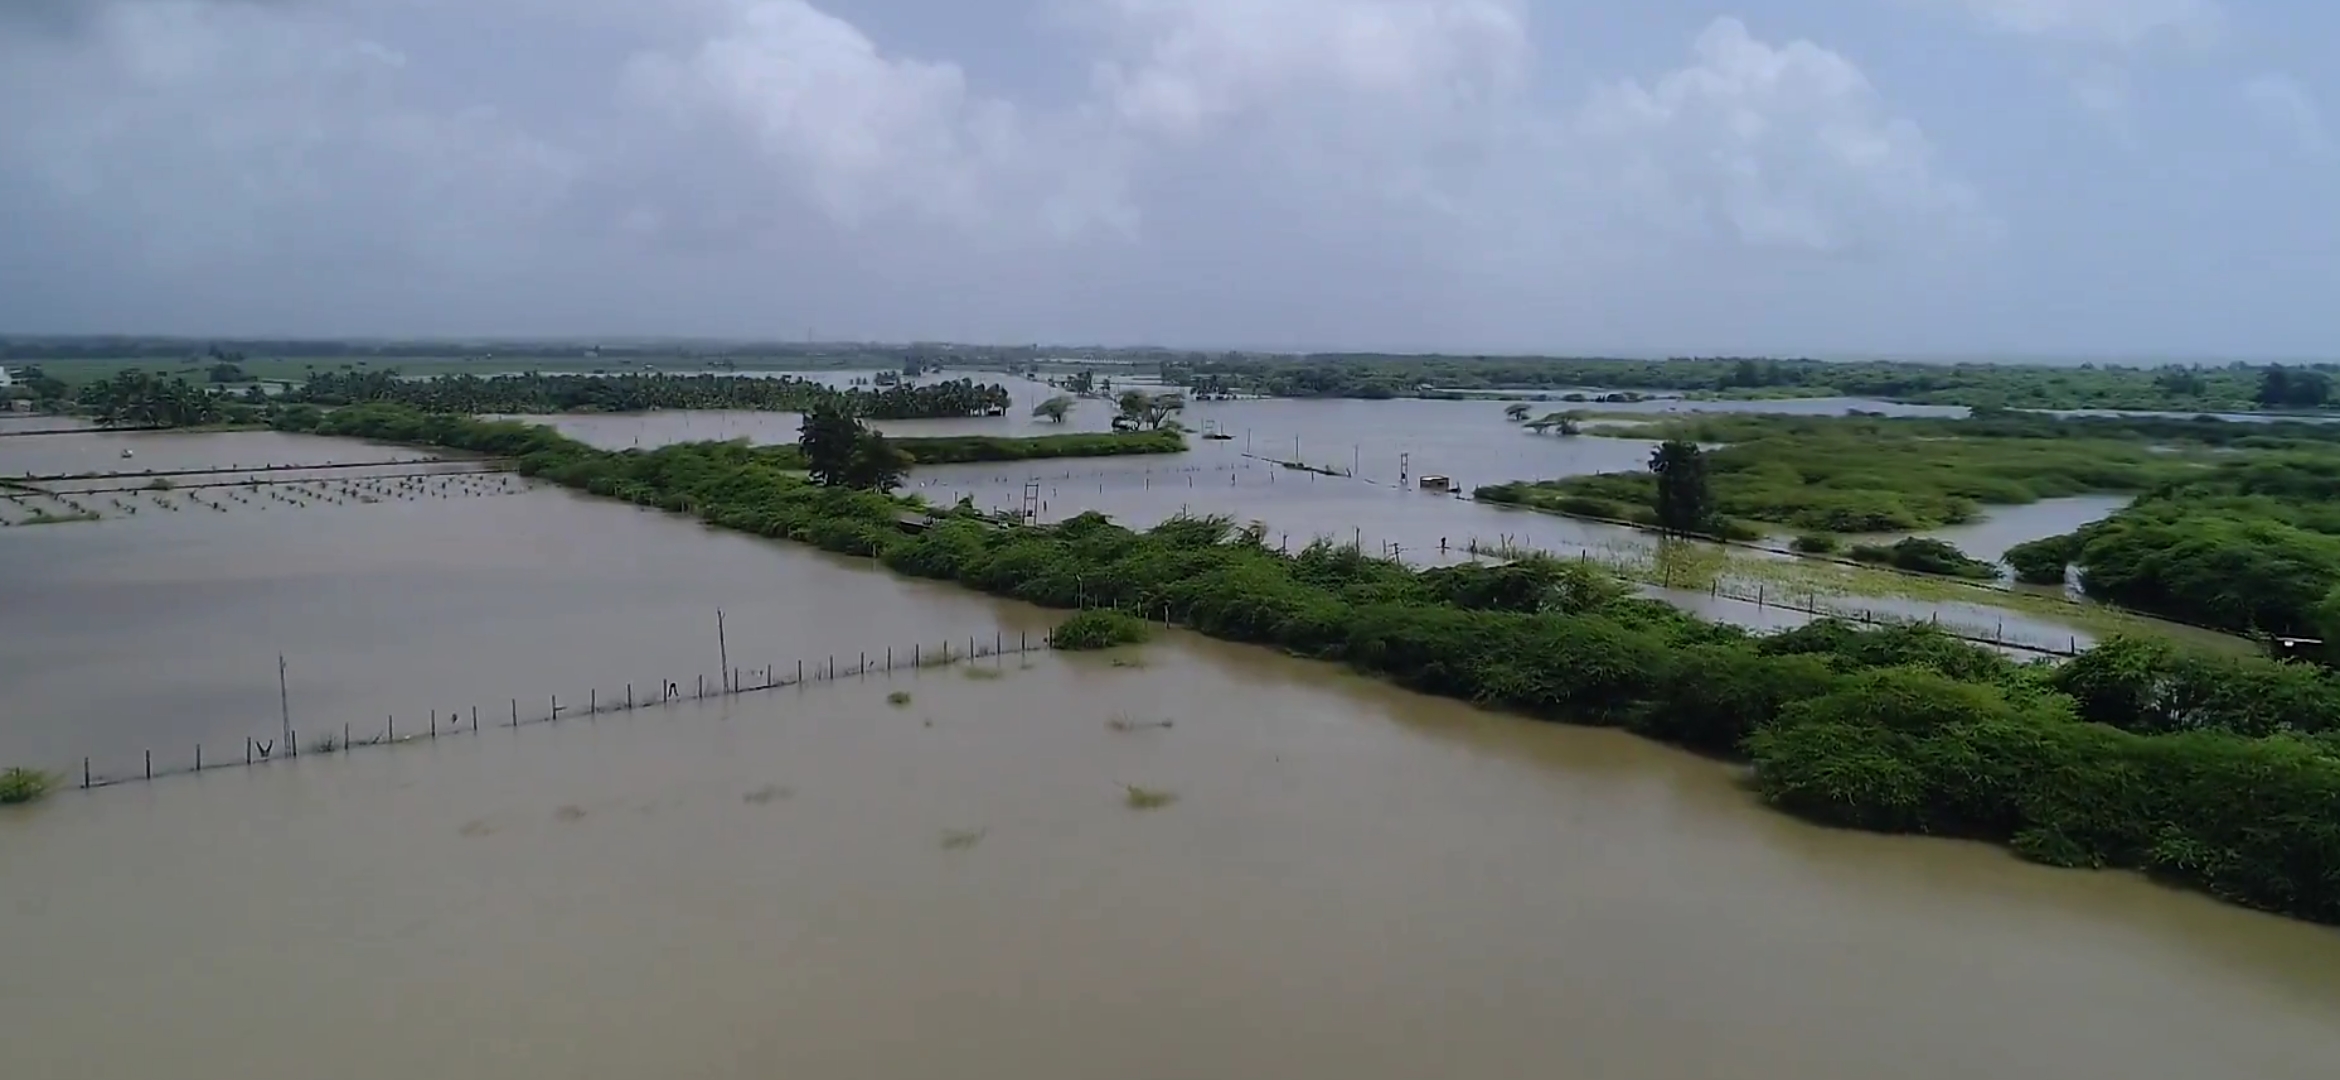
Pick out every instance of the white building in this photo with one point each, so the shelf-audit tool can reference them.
(6, 380)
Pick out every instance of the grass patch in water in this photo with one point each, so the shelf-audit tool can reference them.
(1872, 475)
(1099, 628)
(1126, 722)
(981, 674)
(1138, 798)
(21, 785)
(899, 699)
(962, 839)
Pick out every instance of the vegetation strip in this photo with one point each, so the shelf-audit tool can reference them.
(2222, 773)
(2234, 527)
(2191, 388)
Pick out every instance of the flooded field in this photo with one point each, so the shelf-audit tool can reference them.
(1341, 879)
(114, 476)
(1384, 443)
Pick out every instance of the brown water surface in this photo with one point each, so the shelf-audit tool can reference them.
(1351, 881)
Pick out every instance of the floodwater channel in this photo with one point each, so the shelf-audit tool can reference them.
(1351, 881)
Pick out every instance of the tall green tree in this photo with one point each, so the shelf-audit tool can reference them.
(1149, 409)
(828, 439)
(876, 465)
(1685, 500)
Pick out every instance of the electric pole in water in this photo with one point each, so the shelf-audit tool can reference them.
(284, 706)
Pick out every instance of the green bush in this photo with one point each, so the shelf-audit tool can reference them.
(1814, 543)
(2043, 561)
(1100, 628)
(1924, 555)
(21, 785)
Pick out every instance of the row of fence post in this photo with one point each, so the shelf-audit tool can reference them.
(732, 682)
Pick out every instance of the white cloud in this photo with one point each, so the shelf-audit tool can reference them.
(1784, 146)
(204, 133)
(865, 133)
(1183, 65)
(2119, 24)
(2093, 45)
(2286, 107)
(1228, 162)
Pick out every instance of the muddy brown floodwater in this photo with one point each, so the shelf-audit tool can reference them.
(1351, 881)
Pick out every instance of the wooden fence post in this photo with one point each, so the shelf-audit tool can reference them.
(85, 774)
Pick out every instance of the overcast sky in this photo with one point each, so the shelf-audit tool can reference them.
(1912, 177)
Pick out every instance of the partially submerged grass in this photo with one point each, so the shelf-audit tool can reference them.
(1139, 798)
(898, 699)
(1133, 662)
(21, 785)
(962, 839)
(322, 745)
(1126, 722)
(1797, 581)
(982, 674)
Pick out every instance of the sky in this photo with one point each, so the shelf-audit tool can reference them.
(2011, 178)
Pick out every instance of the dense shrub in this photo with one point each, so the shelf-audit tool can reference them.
(2217, 772)
(21, 785)
(1814, 543)
(1925, 555)
(1100, 628)
(2044, 561)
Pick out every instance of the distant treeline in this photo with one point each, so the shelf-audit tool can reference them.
(537, 392)
(957, 449)
(2222, 388)
(2217, 772)
(398, 423)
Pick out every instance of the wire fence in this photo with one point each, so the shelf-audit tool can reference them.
(1813, 604)
(306, 739)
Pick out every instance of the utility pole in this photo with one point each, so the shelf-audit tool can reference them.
(284, 706)
(723, 646)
